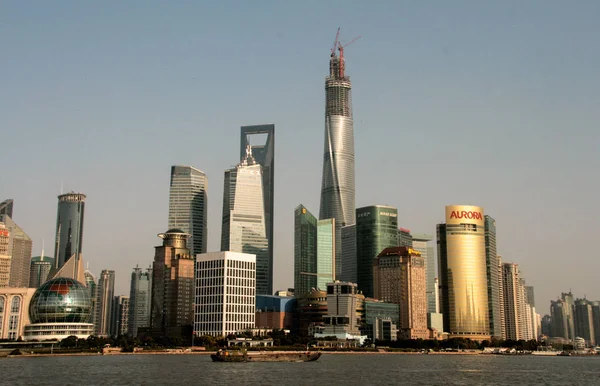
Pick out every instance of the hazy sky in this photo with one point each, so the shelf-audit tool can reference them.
(465, 102)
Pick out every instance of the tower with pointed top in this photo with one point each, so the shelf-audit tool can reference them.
(244, 228)
(337, 187)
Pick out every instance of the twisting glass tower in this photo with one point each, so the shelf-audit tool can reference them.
(337, 188)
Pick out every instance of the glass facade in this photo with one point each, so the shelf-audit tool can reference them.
(264, 154)
(493, 279)
(348, 254)
(188, 204)
(305, 251)
(69, 227)
(463, 279)
(338, 184)
(380, 311)
(39, 269)
(139, 300)
(60, 300)
(244, 228)
(104, 302)
(376, 229)
(325, 252)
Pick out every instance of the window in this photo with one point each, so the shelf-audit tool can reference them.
(16, 305)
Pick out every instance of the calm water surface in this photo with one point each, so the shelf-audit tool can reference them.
(329, 369)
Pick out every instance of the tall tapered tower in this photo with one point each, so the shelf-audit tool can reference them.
(337, 188)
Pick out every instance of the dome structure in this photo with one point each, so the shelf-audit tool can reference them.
(61, 300)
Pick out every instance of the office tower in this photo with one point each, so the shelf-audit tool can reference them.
(493, 287)
(305, 251)
(584, 321)
(337, 187)
(172, 312)
(39, 269)
(513, 301)
(501, 290)
(104, 302)
(376, 229)
(547, 326)
(225, 293)
(188, 203)
(92, 288)
(570, 311)
(139, 300)
(69, 227)
(560, 319)
(349, 272)
(19, 250)
(345, 306)
(4, 256)
(530, 302)
(264, 155)
(314, 251)
(6, 207)
(325, 252)
(381, 320)
(405, 239)
(244, 228)
(120, 316)
(596, 320)
(526, 318)
(399, 278)
(421, 242)
(462, 273)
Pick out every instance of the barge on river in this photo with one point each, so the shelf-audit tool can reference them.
(264, 356)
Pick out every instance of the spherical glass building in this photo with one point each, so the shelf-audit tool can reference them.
(61, 300)
(61, 307)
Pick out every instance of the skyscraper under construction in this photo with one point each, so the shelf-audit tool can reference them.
(337, 188)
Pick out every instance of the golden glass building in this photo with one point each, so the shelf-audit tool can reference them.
(463, 278)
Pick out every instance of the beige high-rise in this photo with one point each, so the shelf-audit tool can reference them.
(399, 277)
(462, 271)
(4, 256)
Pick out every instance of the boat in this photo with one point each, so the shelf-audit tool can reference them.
(264, 356)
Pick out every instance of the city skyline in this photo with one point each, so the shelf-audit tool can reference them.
(521, 113)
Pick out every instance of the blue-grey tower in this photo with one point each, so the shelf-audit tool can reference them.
(69, 227)
(337, 188)
(263, 152)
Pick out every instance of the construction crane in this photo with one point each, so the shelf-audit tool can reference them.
(341, 49)
(336, 42)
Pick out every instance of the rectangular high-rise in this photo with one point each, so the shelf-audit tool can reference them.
(314, 252)
(104, 302)
(421, 242)
(462, 273)
(399, 278)
(493, 287)
(19, 249)
(139, 300)
(376, 229)
(338, 184)
(120, 316)
(4, 256)
(513, 301)
(243, 226)
(172, 312)
(225, 293)
(349, 271)
(188, 203)
(584, 321)
(264, 155)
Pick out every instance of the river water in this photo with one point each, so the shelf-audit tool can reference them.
(328, 370)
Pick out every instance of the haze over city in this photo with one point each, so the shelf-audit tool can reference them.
(464, 103)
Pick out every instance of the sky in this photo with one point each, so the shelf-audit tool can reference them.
(493, 104)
